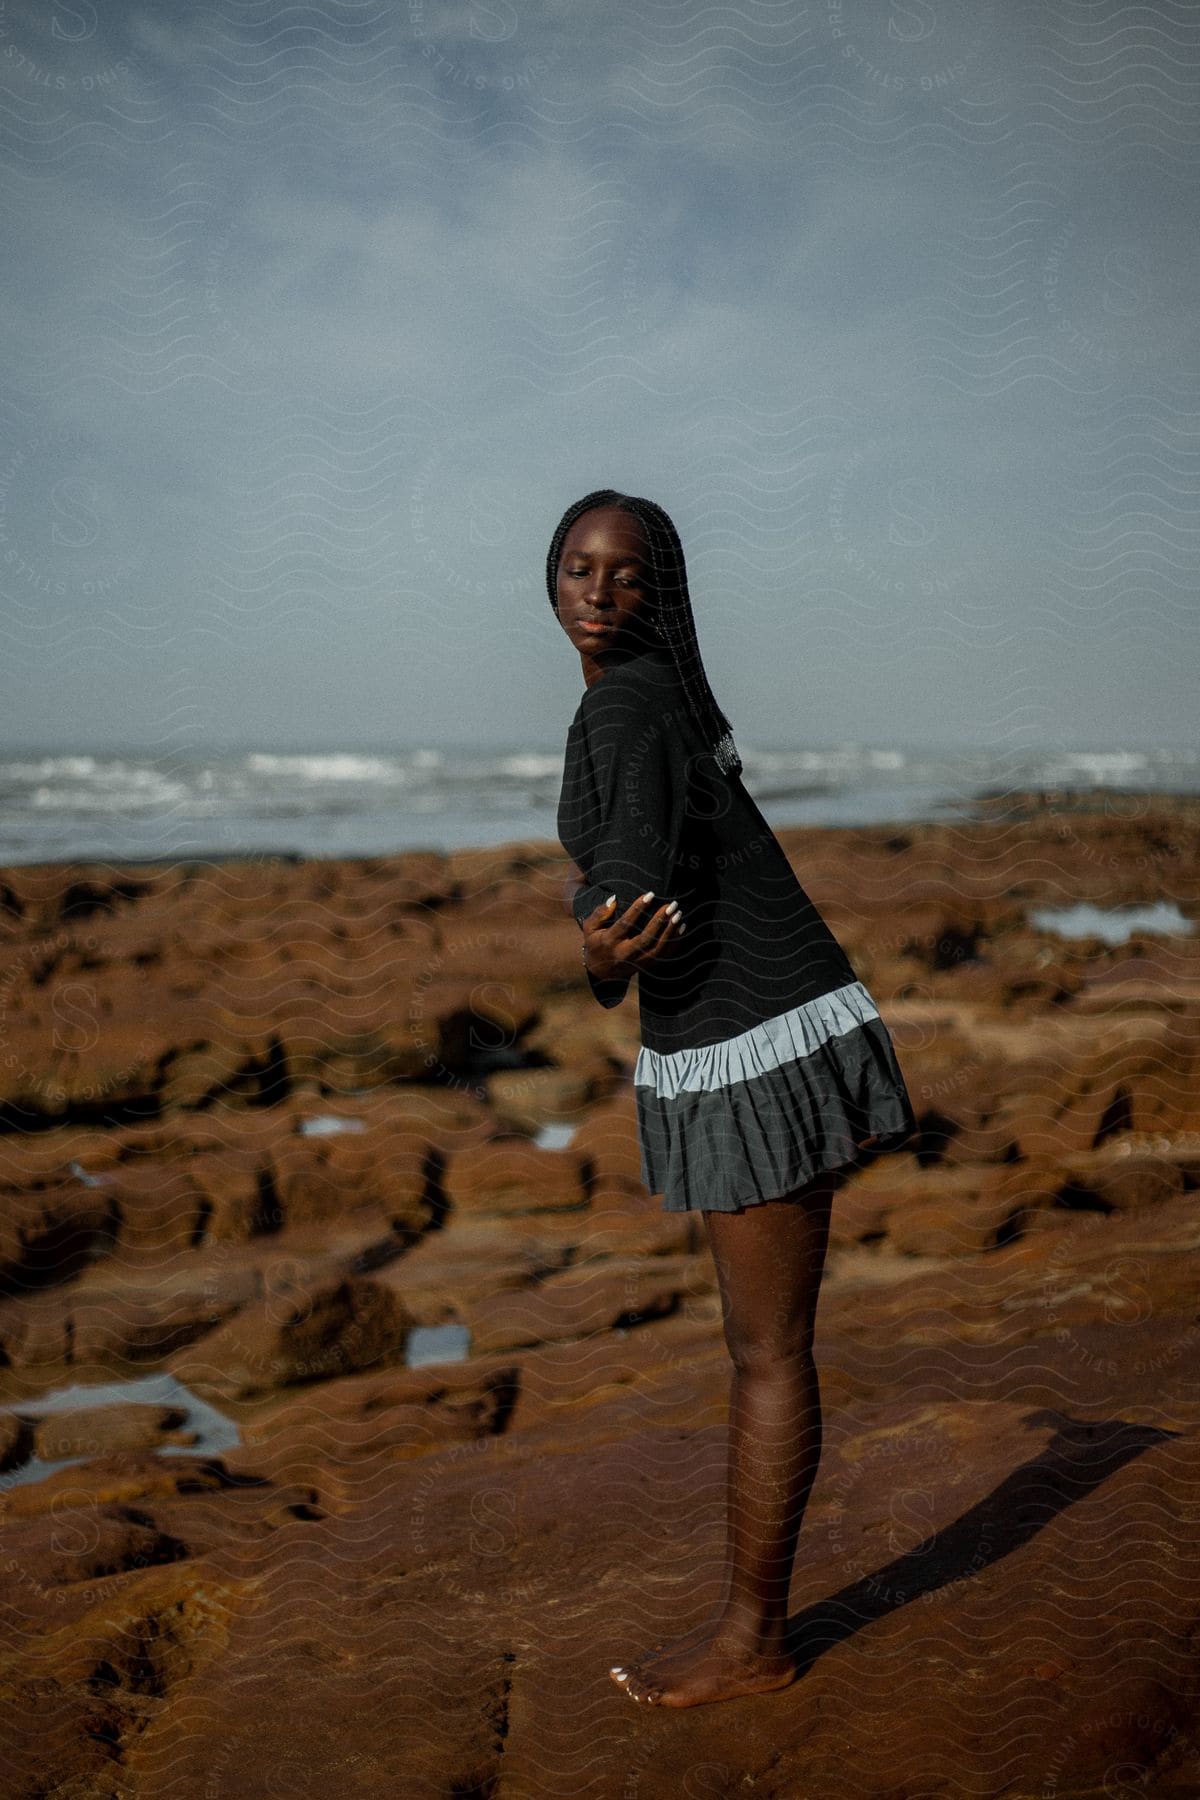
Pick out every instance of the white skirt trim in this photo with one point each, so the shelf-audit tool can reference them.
(766, 1046)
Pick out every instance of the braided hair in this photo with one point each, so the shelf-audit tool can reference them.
(671, 614)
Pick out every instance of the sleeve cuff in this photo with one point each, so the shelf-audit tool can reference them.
(609, 993)
(586, 900)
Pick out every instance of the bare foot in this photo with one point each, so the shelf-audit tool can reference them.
(720, 1666)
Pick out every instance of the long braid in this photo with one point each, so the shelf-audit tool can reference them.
(672, 612)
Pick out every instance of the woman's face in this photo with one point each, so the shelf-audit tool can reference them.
(604, 582)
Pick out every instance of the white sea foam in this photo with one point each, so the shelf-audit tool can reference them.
(75, 804)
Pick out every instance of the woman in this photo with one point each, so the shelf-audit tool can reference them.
(764, 1067)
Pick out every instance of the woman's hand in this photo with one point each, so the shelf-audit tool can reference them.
(616, 947)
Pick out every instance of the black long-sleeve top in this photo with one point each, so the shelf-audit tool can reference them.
(646, 808)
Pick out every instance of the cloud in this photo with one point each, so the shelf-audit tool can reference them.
(351, 302)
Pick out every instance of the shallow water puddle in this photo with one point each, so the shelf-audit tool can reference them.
(436, 1344)
(554, 1137)
(213, 1430)
(1115, 924)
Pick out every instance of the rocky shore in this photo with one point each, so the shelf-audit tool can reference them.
(269, 1123)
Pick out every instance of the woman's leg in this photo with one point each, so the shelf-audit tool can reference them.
(769, 1260)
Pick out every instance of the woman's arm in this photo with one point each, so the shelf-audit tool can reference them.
(640, 791)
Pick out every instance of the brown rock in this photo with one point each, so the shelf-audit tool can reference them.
(109, 1320)
(1005, 1338)
(118, 1538)
(580, 1301)
(962, 1227)
(297, 1336)
(16, 1439)
(511, 1174)
(98, 1430)
(1126, 1183)
(526, 1099)
(608, 1139)
(49, 1235)
(378, 1418)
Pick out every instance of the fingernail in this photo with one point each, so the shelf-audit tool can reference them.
(647, 896)
(682, 929)
(611, 901)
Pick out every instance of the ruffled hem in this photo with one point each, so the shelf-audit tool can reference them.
(719, 1148)
(759, 1049)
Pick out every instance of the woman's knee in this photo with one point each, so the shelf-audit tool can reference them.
(767, 1346)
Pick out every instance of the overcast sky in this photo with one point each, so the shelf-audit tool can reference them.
(316, 319)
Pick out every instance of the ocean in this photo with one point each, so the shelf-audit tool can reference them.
(113, 805)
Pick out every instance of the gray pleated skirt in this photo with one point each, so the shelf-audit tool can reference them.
(757, 1115)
